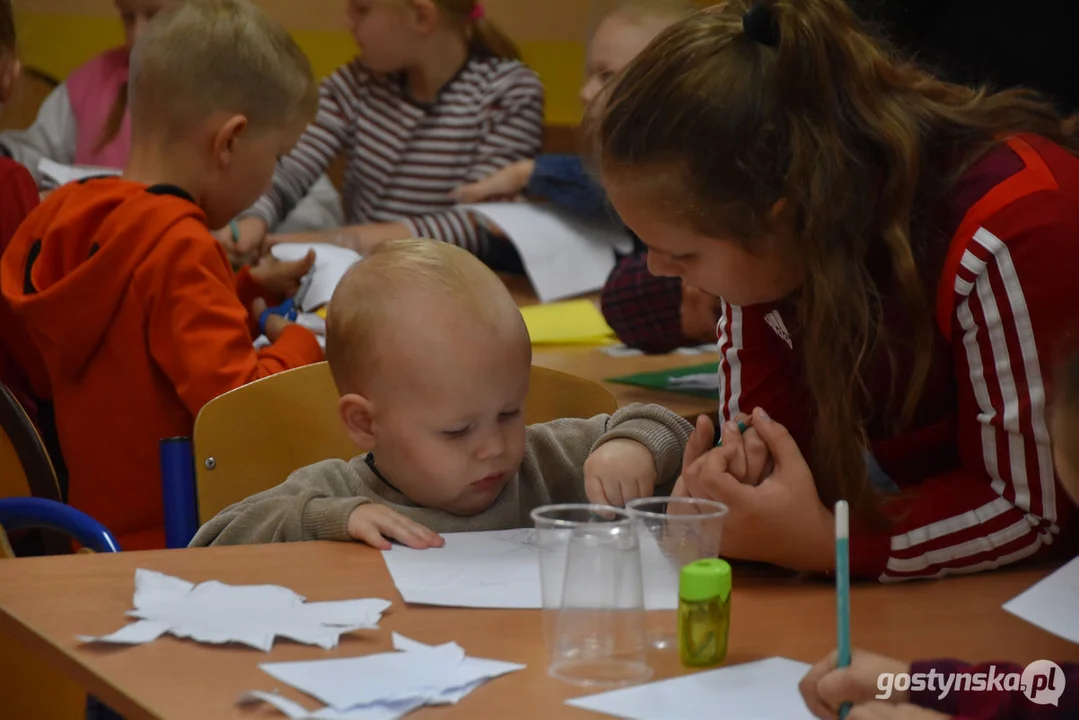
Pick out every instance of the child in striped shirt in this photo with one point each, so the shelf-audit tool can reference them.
(437, 99)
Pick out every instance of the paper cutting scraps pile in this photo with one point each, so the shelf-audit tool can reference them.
(255, 615)
(384, 686)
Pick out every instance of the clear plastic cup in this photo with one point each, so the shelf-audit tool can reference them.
(673, 533)
(593, 595)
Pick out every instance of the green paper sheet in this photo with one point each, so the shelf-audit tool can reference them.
(658, 380)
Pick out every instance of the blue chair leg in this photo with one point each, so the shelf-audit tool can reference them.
(178, 489)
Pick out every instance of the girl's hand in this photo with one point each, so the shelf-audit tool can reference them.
(825, 688)
(781, 521)
(509, 182)
(750, 460)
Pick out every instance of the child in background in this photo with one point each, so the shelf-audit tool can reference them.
(646, 311)
(85, 121)
(18, 196)
(896, 259)
(432, 360)
(437, 99)
(128, 298)
(825, 688)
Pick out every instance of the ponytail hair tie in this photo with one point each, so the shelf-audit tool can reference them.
(759, 24)
(478, 13)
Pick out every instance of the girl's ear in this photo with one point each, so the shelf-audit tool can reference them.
(426, 14)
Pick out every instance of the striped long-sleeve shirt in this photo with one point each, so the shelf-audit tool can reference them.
(977, 488)
(403, 157)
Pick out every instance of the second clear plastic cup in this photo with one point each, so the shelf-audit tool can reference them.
(593, 595)
(673, 533)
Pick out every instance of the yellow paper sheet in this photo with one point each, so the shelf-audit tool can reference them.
(573, 322)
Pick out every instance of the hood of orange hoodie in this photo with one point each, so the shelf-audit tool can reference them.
(70, 264)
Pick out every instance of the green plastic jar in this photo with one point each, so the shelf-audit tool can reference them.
(704, 612)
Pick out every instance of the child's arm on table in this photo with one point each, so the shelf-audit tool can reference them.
(314, 503)
(615, 458)
(324, 501)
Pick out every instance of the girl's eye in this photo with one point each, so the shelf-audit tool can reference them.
(509, 415)
(605, 77)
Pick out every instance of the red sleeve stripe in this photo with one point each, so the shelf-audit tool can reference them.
(729, 332)
(1005, 373)
(1022, 552)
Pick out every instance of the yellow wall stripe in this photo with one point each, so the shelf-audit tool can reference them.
(59, 43)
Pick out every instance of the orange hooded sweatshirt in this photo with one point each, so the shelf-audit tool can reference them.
(138, 321)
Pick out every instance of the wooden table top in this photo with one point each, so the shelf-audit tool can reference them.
(592, 363)
(46, 602)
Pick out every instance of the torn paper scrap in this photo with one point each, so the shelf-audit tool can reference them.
(254, 615)
(1050, 604)
(383, 685)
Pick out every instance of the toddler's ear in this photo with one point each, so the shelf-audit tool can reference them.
(358, 416)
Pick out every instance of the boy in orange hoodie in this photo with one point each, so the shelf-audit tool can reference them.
(129, 300)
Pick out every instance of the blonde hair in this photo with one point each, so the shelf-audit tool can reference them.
(368, 299)
(751, 104)
(203, 56)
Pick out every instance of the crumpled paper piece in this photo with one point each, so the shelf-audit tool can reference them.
(254, 615)
(383, 686)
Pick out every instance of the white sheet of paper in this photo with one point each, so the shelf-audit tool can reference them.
(60, 174)
(500, 569)
(331, 264)
(215, 613)
(383, 685)
(1052, 603)
(761, 690)
(493, 569)
(563, 255)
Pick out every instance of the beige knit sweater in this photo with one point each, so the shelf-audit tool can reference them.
(315, 502)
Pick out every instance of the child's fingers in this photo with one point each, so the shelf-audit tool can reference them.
(369, 534)
(756, 457)
(810, 690)
(701, 440)
(613, 490)
(407, 532)
(734, 449)
(594, 491)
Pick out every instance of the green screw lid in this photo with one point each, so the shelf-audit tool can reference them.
(705, 579)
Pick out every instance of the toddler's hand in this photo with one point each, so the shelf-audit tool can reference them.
(376, 525)
(618, 471)
(750, 462)
(825, 688)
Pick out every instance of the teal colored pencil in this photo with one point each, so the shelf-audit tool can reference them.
(842, 590)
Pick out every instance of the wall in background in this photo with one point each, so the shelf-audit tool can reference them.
(58, 35)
